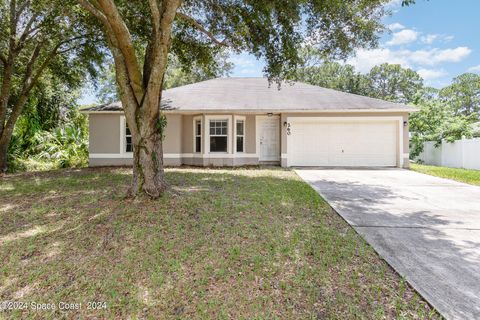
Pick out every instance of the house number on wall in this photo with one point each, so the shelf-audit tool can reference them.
(289, 132)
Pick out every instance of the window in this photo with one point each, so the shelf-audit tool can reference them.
(218, 135)
(198, 136)
(240, 135)
(128, 139)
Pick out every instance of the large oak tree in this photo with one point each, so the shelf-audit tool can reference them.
(140, 35)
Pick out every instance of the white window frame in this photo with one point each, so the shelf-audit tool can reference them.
(123, 137)
(195, 119)
(235, 135)
(228, 118)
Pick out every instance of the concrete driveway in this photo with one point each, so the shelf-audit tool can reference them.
(426, 228)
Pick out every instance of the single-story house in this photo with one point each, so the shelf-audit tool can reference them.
(246, 121)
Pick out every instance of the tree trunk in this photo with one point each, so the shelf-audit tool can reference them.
(148, 173)
(3, 153)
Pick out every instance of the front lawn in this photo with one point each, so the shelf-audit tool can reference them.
(245, 243)
(462, 175)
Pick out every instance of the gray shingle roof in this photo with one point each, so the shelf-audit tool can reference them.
(255, 94)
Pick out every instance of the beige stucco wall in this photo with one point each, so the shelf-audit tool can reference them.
(173, 134)
(187, 134)
(104, 132)
(250, 134)
(105, 137)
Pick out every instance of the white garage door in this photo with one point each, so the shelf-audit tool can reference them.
(356, 143)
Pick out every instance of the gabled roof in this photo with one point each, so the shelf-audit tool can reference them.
(255, 94)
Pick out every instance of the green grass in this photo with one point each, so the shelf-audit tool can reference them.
(239, 243)
(462, 175)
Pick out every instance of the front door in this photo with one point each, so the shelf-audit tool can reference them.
(269, 138)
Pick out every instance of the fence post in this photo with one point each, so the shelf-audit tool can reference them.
(442, 155)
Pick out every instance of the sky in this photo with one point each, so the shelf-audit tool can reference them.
(440, 39)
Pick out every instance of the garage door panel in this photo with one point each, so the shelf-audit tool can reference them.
(342, 143)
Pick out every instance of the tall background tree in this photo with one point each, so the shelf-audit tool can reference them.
(37, 38)
(464, 95)
(329, 74)
(394, 83)
(140, 36)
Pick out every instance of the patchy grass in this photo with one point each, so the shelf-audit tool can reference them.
(462, 175)
(240, 243)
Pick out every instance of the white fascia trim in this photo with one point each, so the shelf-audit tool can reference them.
(275, 111)
(398, 119)
(278, 111)
(104, 112)
(129, 155)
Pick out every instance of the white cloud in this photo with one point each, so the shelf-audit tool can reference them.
(393, 5)
(474, 69)
(242, 61)
(366, 59)
(436, 56)
(448, 38)
(403, 37)
(430, 38)
(395, 26)
(431, 74)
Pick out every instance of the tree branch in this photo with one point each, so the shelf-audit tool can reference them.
(94, 11)
(23, 7)
(202, 29)
(30, 79)
(13, 23)
(155, 14)
(159, 58)
(124, 42)
(22, 41)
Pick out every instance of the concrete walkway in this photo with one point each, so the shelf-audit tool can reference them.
(426, 228)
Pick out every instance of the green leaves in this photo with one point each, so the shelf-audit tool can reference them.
(394, 83)
(387, 81)
(161, 125)
(464, 95)
(435, 121)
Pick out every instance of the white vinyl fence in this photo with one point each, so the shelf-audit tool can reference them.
(463, 153)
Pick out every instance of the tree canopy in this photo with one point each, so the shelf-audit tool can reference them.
(38, 38)
(463, 95)
(175, 76)
(394, 83)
